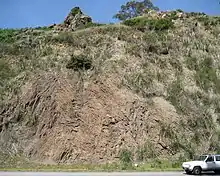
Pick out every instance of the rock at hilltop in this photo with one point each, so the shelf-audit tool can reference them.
(74, 20)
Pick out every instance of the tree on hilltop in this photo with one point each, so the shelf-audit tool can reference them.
(134, 8)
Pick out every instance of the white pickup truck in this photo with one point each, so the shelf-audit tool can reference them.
(203, 163)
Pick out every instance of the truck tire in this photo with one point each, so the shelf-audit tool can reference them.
(197, 170)
(217, 171)
(188, 172)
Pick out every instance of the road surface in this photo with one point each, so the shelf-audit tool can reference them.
(91, 174)
(94, 174)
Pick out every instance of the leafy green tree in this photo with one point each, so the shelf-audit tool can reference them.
(134, 8)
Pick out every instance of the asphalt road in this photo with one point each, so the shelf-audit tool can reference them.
(91, 174)
(95, 174)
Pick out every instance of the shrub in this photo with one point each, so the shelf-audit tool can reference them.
(173, 15)
(197, 14)
(43, 28)
(7, 35)
(161, 24)
(91, 24)
(179, 10)
(139, 23)
(125, 158)
(152, 24)
(75, 11)
(78, 63)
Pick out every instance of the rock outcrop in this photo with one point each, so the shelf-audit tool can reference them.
(74, 20)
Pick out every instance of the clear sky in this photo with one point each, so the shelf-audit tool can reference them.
(33, 13)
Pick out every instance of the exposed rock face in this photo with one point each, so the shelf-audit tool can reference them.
(59, 125)
(74, 20)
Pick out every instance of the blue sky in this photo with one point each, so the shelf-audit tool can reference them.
(32, 13)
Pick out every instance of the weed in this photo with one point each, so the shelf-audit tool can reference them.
(125, 156)
(140, 83)
(47, 51)
(191, 63)
(146, 152)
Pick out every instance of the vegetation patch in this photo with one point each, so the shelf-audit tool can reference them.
(78, 63)
(8, 35)
(146, 152)
(208, 21)
(206, 76)
(43, 28)
(152, 24)
(192, 63)
(63, 37)
(175, 94)
(125, 158)
(90, 25)
(75, 11)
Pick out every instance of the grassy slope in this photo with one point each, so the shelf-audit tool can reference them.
(179, 63)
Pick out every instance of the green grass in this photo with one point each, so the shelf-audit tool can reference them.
(94, 168)
(8, 35)
(20, 163)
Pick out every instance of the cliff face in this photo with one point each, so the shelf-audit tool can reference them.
(150, 85)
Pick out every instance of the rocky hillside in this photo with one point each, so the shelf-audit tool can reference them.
(83, 92)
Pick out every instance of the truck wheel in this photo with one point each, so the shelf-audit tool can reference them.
(188, 172)
(217, 172)
(197, 170)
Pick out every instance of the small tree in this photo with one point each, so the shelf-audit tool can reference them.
(134, 8)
